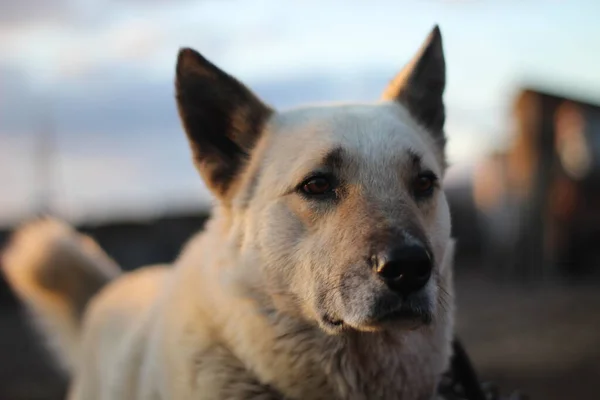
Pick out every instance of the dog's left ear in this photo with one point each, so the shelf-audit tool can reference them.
(222, 118)
(420, 85)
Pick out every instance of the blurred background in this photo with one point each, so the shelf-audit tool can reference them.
(89, 132)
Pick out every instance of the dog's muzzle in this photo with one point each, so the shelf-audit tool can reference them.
(390, 292)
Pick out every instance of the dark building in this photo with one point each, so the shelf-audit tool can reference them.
(540, 199)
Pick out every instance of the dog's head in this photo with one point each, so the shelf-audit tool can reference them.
(336, 209)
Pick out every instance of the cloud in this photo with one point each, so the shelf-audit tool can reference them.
(19, 13)
(27, 12)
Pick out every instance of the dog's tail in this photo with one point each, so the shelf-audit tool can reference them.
(55, 271)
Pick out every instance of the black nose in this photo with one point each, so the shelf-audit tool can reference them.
(405, 268)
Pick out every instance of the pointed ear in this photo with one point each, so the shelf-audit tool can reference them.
(420, 85)
(222, 118)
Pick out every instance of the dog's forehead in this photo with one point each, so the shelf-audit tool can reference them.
(381, 131)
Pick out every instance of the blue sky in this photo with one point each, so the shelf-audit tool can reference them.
(102, 72)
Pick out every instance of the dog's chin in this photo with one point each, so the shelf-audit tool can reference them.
(402, 319)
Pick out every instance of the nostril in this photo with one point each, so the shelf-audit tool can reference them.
(390, 271)
(422, 271)
(422, 268)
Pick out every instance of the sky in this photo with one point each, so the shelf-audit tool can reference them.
(98, 76)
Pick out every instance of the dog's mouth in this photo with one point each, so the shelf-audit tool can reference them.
(415, 315)
(404, 317)
(332, 324)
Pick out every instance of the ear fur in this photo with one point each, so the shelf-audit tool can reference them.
(222, 118)
(421, 83)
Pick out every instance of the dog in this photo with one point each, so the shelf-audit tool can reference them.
(325, 271)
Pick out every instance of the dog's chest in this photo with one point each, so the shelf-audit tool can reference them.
(385, 374)
(342, 370)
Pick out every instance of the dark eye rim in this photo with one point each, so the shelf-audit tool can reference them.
(327, 194)
(423, 194)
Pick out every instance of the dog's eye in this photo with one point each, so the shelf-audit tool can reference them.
(424, 184)
(316, 186)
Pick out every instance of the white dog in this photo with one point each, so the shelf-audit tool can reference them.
(324, 273)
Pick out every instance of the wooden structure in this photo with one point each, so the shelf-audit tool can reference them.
(544, 189)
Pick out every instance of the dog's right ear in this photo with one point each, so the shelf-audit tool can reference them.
(222, 118)
(421, 83)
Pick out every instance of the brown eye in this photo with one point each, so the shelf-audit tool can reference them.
(317, 186)
(424, 184)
